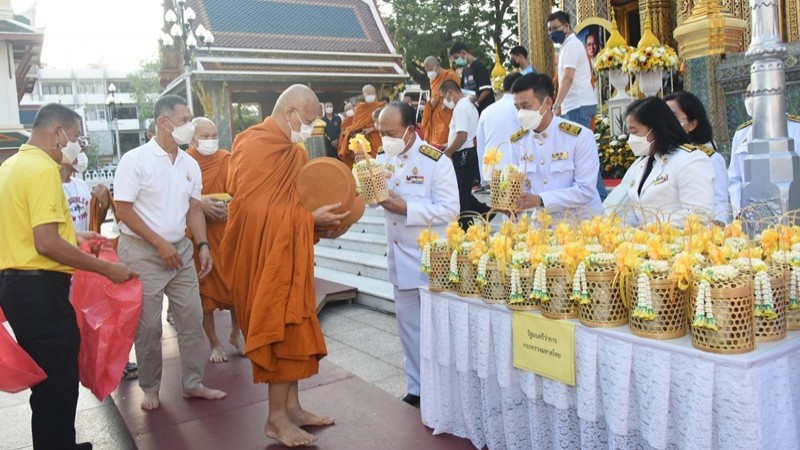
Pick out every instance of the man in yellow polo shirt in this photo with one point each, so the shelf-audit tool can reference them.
(38, 254)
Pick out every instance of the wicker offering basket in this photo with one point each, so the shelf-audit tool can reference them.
(775, 329)
(526, 284)
(372, 182)
(495, 291)
(468, 286)
(669, 306)
(732, 306)
(606, 308)
(558, 288)
(792, 315)
(504, 195)
(439, 278)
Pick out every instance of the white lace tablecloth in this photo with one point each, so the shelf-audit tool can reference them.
(630, 392)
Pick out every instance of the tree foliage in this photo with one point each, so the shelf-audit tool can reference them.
(145, 88)
(420, 28)
(245, 115)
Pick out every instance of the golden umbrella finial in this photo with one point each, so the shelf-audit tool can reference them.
(616, 39)
(648, 38)
(497, 70)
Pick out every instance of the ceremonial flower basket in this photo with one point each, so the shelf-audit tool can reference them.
(467, 271)
(521, 283)
(789, 264)
(370, 176)
(657, 305)
(439, 276)
(724, 308)
(603, 306)
(551, 278)
(494, 288)
(770, 297)
(506, 184)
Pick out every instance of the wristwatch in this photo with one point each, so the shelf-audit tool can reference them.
(202, 243)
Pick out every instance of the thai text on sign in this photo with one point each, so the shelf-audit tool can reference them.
(545, 347)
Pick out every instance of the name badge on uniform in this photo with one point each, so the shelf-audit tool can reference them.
(188, 176)
(661, 179)
(560, 156)
(415, 179)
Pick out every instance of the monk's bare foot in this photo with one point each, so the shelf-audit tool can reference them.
(237, 343)
(218, 355)
(150, 401)
(205, 393)
(287, 433)
(302, 418)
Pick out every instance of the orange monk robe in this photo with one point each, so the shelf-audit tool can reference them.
(267, 257)
(362, 118)
(214, 168)
(436, 119)
(342, 152)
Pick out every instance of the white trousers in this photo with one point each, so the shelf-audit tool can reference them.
(408, 311)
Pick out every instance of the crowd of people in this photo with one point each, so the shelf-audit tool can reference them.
(210, 229)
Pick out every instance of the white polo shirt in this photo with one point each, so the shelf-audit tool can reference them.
(159, 190)
(465, 118)
(581, 93)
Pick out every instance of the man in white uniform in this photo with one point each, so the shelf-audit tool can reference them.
(496, 124)
(559, 157)
(157, 190)
(423, 190)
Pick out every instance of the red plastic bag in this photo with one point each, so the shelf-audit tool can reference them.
(107, 316)
(18, 371)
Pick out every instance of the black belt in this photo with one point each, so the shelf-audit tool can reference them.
(30, 273)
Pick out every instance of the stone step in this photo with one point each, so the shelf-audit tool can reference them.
(373, 293)
(370, 224)
(360, 242)
(374, 212)
(356, 263)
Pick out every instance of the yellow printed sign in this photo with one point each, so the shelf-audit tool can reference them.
(545, 347)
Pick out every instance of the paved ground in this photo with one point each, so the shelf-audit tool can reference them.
(359, 340)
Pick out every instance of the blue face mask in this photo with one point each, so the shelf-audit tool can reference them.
(461, 61)
(558, 36)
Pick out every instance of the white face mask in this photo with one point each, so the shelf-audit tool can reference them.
(304, 133)
(449, 104)
(432, 74)
(207, 147)
(530, 119)
(748, 106)
(329, 110)
(183, 134)
(640, 146)
(393, 146)
(369, 98)
(349, 113)
(70, 151)
(82, 164)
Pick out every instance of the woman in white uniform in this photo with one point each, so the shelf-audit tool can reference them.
(691, 114)
(673, 179)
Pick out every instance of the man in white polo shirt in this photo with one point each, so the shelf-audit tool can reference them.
(157, 193)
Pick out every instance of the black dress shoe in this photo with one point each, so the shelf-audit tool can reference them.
(411, 399)
(83, 446)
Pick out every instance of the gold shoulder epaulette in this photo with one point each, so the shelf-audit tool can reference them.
(519, 134)
(793, 118)
(570, 128)
(430, 152)
(380, 150)
(745, 124)
(707, 149)
(688, 147)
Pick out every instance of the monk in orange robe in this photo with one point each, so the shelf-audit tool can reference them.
(436, 118)
(213, 292)
(267, 260)
(346, 122)
(363, 123)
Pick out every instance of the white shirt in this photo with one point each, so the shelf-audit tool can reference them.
(562, 166)
(465, 118)
(680, 183)
(496, 124)
(722, 205)
(573, 56)
(78, 198)
(739, 151)
(159, 190)
(430, 190)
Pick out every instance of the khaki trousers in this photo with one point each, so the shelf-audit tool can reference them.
(183, 292)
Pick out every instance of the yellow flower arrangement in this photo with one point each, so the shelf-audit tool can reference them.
(426, 237)
(455, 235)
(611, 58)
(650, 58)
(491, 158)
(359, 143)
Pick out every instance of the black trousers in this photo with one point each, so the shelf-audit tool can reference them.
(468, 175)
(38, 309)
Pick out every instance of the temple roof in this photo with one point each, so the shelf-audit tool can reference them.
(26, 43)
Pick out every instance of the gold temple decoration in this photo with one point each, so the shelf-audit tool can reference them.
(710, 30)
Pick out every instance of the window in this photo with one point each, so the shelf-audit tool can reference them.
(95, 112)
(126, 112)
(87, 87)
(57, 89)
(123, 87)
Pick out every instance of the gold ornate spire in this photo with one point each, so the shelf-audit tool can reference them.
(498, 70)
(616, 39)
(648, 38)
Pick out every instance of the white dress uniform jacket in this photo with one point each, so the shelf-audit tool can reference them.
(680, 183)
(426, 180)
(562, 167)
(722, 204)
(743, 136)
(497, 122)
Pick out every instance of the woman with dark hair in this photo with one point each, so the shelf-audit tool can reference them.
(691, 114)
(672, 179)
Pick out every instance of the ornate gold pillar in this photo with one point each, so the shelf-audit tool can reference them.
(660, 17)
(591, 8)
(791, 17)
(533, 34)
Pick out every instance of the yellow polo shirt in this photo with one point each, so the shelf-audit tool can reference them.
(31, 195)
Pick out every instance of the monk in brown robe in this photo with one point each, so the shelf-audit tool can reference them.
(267, 260)
(213, 293)
(436, 118)
(363, 123)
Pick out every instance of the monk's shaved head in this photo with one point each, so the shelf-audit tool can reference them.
(368, 89)
(431, 63)
(204, 127)
(298, 103)
(348, 106)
